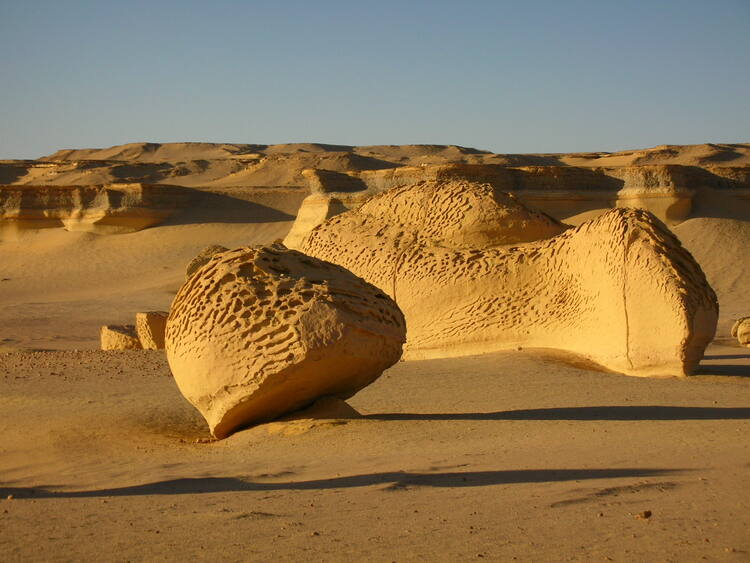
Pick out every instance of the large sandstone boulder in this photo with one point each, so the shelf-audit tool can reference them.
(741, 331)
(119, 337)
(150, 328)
(619, 290)
(262, 331)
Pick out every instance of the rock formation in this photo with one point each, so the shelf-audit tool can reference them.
(571, 193)
(741, 331)
(115, 208)
(119, 337)
(134, 186)
(619, 290)
(202, 258)
(258, 332)
(150, 328)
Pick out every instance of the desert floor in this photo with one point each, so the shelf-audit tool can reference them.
(522, 454)
(511, 455)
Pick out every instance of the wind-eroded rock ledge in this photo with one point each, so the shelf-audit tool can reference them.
(105, 209)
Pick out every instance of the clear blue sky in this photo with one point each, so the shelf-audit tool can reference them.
(515, 76)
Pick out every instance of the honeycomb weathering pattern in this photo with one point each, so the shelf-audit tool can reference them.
(202, 258)
(619, 290)
(261, 331)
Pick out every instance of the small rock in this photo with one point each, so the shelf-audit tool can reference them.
(645, 515)
(741, 331)
(119, 337)
(150, 328)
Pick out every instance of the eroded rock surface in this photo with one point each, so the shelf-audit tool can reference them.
(119, 337)
(202, 258)
(741, 331)
(106, 209)
(258, 332)
(572, 194)
(619, 290)
(150, 328)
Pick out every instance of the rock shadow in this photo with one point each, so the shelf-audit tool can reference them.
(644, 412)
(729, 370)
(726, 357)
(211, 207)
(391, 480)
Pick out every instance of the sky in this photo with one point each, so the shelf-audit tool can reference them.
(509, 77)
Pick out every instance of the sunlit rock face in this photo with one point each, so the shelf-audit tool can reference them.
(258, 332)
(619, 290)
(111, 209)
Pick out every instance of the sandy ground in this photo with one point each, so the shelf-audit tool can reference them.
(59, 287)
(511, 455)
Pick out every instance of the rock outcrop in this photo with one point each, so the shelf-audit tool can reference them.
(119, 337)
(150, 328)
(619, 290)
(570, 193)
(741, 331)
(202, 258)
(87, 189)
(258, 332)
(115, 208)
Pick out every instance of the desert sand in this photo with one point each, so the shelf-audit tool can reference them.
(533, 454)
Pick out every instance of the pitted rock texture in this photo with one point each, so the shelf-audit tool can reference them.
(741, 331)
(150, 328)
(463, 214)
(119, 337)
(202, 258)
(455, 213)
(258, 332)
(619, 290)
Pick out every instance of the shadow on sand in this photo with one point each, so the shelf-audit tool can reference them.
(209, 207)
(393, 480)
(645, 412)
(727, 357)
(729, 370)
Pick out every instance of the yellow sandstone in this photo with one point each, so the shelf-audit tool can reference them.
(258, 332)
(619, 290)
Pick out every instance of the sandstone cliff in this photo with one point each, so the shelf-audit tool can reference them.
(105, 209)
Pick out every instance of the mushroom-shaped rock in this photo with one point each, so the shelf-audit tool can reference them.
(258, 332)
(119, 337)
(741, 331)
(619, 290)
(150, 328)
(202, 258)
